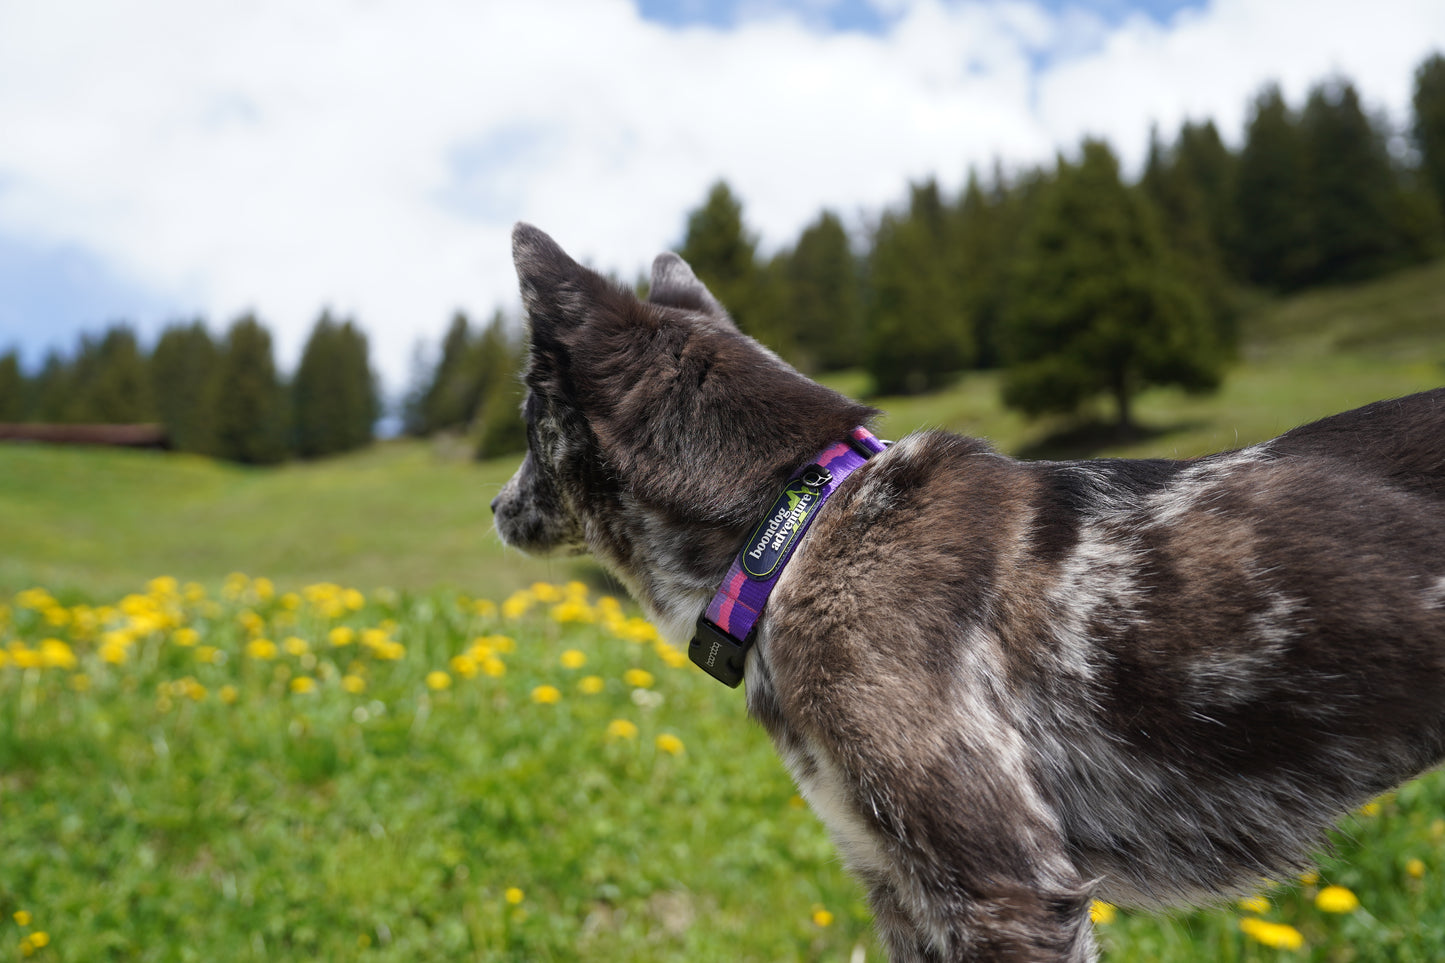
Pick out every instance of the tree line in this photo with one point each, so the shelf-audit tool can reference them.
(221, 397)
(1075, 281)
(1079, 283)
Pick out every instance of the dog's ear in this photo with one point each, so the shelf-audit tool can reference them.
(675, 286)
(556, 290)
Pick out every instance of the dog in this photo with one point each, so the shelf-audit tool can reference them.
(1007, 688)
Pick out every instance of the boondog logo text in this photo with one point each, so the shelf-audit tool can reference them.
(779, 527)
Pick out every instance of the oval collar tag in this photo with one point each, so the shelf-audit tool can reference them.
(780, 527)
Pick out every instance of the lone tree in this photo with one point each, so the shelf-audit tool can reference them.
(1100, 305)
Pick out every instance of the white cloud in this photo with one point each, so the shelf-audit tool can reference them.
(371, 155)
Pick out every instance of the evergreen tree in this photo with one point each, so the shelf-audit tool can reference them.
(183, 366)
(723, 254)
(333, 396)
(919, 335)
(248, 399)
(1351, 191)
(51, 390)
(1205, 162)
(825, 295)
(1428, 123)
(1271, 206)
(498, 420)
(12, 388)
(113, 383)
(1098, 309)
(450, 399)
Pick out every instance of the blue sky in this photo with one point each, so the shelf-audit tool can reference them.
(185, 158)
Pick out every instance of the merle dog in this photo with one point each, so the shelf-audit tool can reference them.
(1007, 687)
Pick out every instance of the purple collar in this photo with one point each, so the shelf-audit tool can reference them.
(725, 630)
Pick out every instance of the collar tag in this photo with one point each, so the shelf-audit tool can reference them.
(718, 654)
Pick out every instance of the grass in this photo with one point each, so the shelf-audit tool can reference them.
(170, 790)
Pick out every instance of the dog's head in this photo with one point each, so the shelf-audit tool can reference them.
(657, 431)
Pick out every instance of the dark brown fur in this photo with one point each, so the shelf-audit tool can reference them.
(1009, 688)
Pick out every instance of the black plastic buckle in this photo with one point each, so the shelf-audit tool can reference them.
(718, 654)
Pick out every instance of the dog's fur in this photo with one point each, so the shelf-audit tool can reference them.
(1008, 687)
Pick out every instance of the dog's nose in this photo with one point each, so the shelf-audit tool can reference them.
(494, 504)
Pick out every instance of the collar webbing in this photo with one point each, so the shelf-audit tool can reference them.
(725, 630)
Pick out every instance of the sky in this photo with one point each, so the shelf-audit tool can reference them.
(165, 160)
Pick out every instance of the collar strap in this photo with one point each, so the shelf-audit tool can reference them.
(725, 631)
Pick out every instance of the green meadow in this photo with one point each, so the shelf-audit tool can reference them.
(319, 713)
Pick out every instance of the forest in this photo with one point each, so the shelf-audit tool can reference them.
(1078, 284)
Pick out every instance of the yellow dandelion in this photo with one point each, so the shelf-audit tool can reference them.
(502, 643)
(670, 744)
(573, 659)
(638, 678)
(464, 665)
(1337, 899)
(1416, 868)
(546, 592)
(342, 635)
(592, 684)
(485, 608)
(822, 917)
(353, 599)
(570, 612)
(193, 592)
(437, 680)
(185, 637)
(303, 684)
(228, 694)
(39, 938)
(1280, 936)
(294, 645)
(113, 652)
(192, 689)
(353, 683)
(1310, 878)
(374, 638)
(55, 654)
(494, 667)
(514, 896)
(162, 585)
(1370, 809)
(22, 917)
(1103, 913)
(263, 649)
(1256, 904)
(208, 654)
(621, 729)
(672, 655)
(390, 651)
(546, 695)
(517, 604)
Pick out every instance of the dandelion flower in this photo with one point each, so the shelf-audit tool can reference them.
(1103, 913)
(670, 744)
(113, 652)
(56, 654)
(494, 667)
(1337, 899)
(517, 604)
(39, 938)
(638, 678)
(1415, 868)
(295, 646)
(621, 729)
(437, 680)
(546, 695)
(341, 635)
(303, 684)
(228, 694)
(263, 649)
(464, 665)
(573, 659)
(822, 917)
(208, 654)
(22, 917)
(353, 683)
(514, 895)
(592, 684)
(185, 637)
(1280, 936)
(546, 592)
(1254, 904)
(485, 608)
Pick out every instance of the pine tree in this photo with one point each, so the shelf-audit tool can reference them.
(333, 396)
(115, 386)
(12, 388)
(498, 419)
(248, 399)
(1351, 191)
(51, 390)
(1204, 161)
(723, 254)
(919, 335)
(450, 399)
(183, 367)
(1271, 207)
(1098, 309)
(825, 295)
(1428, 123)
